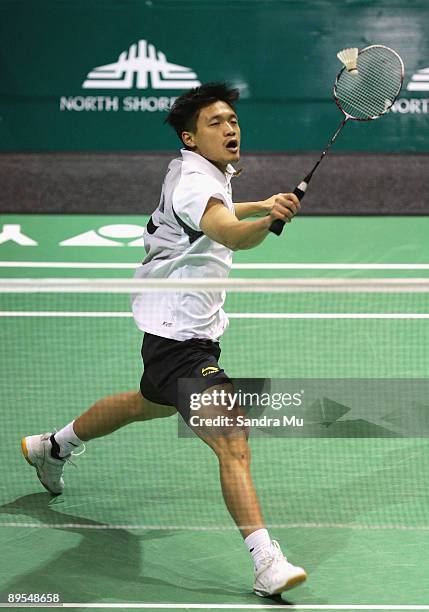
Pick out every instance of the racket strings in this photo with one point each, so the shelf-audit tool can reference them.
(379, 81)
(375, 97)
(373, 90)
(372, 97)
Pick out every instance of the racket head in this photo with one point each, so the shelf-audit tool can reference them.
(371, 92)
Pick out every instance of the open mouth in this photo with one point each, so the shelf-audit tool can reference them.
(232, 146)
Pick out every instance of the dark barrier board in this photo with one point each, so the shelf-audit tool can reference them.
(96, 183)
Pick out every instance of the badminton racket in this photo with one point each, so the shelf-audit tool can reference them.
(365, 89)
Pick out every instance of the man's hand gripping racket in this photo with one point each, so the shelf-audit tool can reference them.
(365, 89)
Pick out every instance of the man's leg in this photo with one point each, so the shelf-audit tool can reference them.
(238, 490)
(273, 573)
(48, 452)
(115, 411)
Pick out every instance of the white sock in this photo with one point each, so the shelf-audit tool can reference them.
(67, 440)
(257, 543)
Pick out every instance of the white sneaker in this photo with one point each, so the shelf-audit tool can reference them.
(275, 574)
(37, 451)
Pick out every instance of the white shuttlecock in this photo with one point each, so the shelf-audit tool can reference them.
(349, 59)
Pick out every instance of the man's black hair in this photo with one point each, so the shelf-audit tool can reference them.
(184, 113)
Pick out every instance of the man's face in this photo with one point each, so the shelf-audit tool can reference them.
(217, 136)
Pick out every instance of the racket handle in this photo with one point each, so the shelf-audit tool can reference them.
(277, 226)
(300, 190)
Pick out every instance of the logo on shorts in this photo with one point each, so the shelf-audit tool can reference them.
(209, 370)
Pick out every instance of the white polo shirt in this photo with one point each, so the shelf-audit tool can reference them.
(177, 248)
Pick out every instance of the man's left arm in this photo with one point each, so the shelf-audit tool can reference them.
(243, 210)
(255, 209)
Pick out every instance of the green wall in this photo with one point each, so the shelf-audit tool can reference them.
(282, 54)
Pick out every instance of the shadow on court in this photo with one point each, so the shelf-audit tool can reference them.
(92, 563)
(105, 565)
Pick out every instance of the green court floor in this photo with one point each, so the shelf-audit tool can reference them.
(142, 520)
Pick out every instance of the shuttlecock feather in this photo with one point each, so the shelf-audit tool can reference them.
(349, 59)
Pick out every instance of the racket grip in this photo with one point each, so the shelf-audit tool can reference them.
(277, 226)
(300, 190)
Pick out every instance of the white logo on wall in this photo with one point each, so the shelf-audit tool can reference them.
(415, 106)
(115, 235)
(419, 81)
(123, 234)
(141, 61)
(142, 66)
(11, 232)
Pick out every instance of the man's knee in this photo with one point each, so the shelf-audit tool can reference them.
(232, 449)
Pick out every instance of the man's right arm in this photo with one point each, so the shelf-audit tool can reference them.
(219, 224)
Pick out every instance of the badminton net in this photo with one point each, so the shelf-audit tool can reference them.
(68, 342)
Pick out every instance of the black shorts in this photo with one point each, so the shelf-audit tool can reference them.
(166, 360)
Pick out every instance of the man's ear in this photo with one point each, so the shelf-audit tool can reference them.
(188, 139)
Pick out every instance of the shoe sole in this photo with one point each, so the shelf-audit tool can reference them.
(26, 457)
(290, 584)
(25, 451)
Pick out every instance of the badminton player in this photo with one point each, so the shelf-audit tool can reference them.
(192, 233)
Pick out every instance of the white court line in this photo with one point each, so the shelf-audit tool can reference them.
(194, 606)
(212, 528)
(327, 315)
(35, 313)
(68, 264)
(241, 285)
(329, 266)
(220, 606)
(237, 266)
(231, 315)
